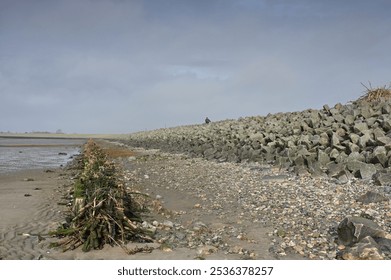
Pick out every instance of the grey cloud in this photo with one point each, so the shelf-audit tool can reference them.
(119, 66)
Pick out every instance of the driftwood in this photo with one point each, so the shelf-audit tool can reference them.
(102, 211)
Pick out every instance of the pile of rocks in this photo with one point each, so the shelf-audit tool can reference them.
(342, 142)
(337, 145)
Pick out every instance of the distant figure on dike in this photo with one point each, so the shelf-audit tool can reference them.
(207, 120)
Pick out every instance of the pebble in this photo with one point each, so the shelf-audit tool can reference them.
(302, 212)
(207, 250)
(155, 223)
(168, 224)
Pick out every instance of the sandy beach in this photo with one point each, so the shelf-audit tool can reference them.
(199, 209)
(32, 204)
(29, 207)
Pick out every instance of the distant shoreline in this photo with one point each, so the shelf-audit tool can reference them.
(39, 145)
(61, 136)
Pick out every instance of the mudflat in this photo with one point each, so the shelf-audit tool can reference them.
(32, 205)
(29, 210)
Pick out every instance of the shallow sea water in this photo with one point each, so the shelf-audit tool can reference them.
(26, 153)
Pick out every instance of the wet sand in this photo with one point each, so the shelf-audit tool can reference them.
(29, 207)
(29, 210)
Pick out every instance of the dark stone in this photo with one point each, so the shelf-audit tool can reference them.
(382, 179)
(386, 109)
(349, 119)
(380, 156)
(366, 249)
(323, 158)
(314, 139)
(361, 128)
(386, 125)
(316, 171)
(356, 156)
(301, 170)
(354, 166)
(353, 147)
(372, 197)
(324, 139)
(338, 118)
(336, 170)
(299, 160)
(334, 154)
(366, 111)
(341, 157)
(334, 139)
(353, 229)
(354, 138)
(365, 140)
(367, 171)
(378, 132)
(384, 244)
(383, 141)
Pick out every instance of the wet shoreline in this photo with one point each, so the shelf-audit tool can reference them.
(19, 154)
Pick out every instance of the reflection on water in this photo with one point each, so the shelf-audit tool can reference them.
(23, 153)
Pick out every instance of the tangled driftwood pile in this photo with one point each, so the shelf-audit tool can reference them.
(102, 212)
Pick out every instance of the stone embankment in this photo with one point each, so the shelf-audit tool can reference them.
(340, 146)
(341, 142)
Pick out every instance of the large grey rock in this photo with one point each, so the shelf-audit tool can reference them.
(353, 147)
(386, 109)
(334, 154)
(366, 249)
(382, 179)
(335, 139)
(338, 171)
(356, 156)
(383, 140)
(354, 138)
(365, 140)
(380, 156)
(386, 125)
(353, 229)
(372, 197)
(361, 128)
(378, 133)
(354, 166)
(367, 171)
(366, 111)
(323, 158)
(324, 139)
(349, 119)
(384, 244)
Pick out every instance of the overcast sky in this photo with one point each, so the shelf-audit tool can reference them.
(119, 66)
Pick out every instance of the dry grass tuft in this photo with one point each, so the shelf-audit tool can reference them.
(376, 94)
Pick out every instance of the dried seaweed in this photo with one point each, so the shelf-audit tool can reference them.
(376, 94)
(102, 211)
